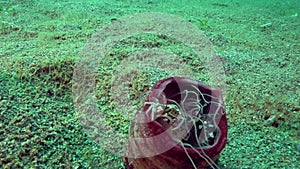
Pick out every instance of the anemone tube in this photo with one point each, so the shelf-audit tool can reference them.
(182, 125)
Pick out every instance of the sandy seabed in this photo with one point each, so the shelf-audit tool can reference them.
(258, 43)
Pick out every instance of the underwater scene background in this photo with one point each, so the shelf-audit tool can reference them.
(41, 42)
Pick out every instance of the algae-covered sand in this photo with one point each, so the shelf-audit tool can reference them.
(258, 43)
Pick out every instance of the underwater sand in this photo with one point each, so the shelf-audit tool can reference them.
(40, 42)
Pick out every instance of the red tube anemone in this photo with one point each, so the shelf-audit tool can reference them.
(181, 126)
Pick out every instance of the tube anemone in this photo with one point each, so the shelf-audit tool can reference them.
(182, 125)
